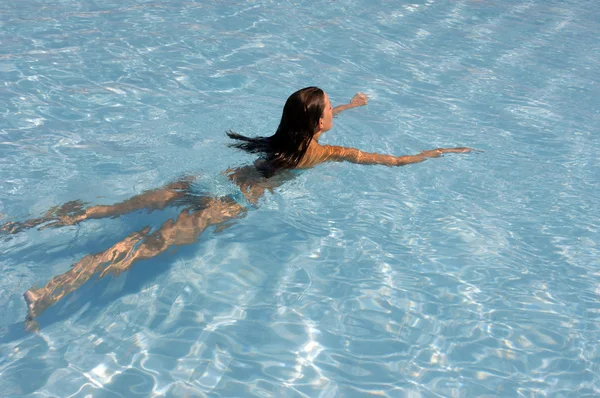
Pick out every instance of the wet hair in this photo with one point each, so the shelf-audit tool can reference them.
(299, 123)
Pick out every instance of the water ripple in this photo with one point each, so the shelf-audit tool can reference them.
(465, 275)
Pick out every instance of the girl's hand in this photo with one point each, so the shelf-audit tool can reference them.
(360, 99)
(461, 149)
(436, 153)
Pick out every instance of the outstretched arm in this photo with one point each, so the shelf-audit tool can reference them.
(319, 154)
(360, 99)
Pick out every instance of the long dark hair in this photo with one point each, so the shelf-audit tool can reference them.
(299, 123)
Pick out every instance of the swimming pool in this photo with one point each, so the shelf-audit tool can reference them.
(468, 275)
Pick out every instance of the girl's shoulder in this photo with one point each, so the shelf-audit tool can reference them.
(317, 154)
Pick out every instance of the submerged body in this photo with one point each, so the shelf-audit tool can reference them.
(307, 115)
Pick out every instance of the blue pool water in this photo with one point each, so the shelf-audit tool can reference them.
(467, 275)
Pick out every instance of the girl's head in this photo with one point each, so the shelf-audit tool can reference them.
(306, 114)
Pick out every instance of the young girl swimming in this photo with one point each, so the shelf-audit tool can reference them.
(307, 114)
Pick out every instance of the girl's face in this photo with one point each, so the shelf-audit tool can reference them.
(326, 121)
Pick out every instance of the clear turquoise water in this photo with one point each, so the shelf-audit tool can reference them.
(469, 275)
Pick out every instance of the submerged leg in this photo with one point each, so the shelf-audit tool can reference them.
(74, 211)
(137, 246)
(38, 300)
(66, 211)
(156, 199)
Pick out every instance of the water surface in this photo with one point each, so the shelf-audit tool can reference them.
(468, 275)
